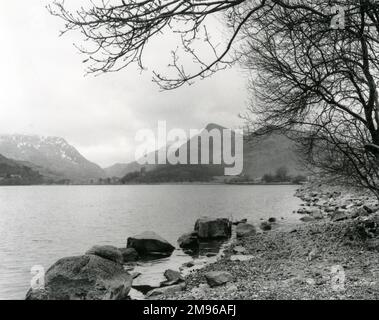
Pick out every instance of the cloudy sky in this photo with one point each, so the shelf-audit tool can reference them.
(44, 90)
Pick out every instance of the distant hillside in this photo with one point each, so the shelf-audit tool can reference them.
(265, 154)
(262, 155)
(14, 173)
(51, 156)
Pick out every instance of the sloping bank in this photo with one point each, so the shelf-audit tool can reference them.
(332, 255)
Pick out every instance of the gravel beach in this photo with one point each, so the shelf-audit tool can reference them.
(334, 255)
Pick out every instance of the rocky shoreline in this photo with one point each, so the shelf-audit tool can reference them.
(332, 253)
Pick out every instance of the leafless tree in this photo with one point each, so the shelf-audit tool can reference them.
(320, 85)
(308, 79)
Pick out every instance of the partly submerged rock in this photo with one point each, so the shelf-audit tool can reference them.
(218, 278)
(307, 219)
(87, 277)
(189, 241)
(107, 252)
(266, 226)
(173, 277)
(211, 228)
(245, 230)
(149, 243)
(129, 254)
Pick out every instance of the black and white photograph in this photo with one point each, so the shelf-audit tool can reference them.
(214, 151)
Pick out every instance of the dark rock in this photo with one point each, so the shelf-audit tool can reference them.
(307, 219)
(166, 290)
(265, 226)
(218, 278)
(189, 241)
(189, 264)
(236, 223)
(107, 252)
(272, 220)
(210, 228)
(150, 244)
(129, 255)
(339, 216)
(245, 230)
(371, 208)
(173, 277)
(87, 277)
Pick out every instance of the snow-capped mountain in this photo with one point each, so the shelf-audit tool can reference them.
(52, 156)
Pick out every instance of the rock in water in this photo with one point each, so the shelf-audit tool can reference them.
(173, 277)
(189, 241)
(317, 214)
(218, 278)
(209, 228)
(129, 254)
(245, 230)
(166, 290)
(307, 219)
(107, 252)
(87, 277)
(266, 226)
(149, 243)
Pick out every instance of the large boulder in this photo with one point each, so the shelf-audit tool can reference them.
(211, 228)
(218, 278)
(87, 277)
(129, 254)
(107, 252)
(149, 243)
(245, 230)
(189, 241)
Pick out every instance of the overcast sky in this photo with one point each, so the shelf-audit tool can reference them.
(43, 90)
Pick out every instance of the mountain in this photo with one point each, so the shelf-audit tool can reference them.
(265, 154)
(262, 155)
(15, 173)
(53, 157)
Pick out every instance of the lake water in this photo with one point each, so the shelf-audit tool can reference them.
(39, 225)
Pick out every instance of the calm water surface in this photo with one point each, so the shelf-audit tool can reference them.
(39, 225)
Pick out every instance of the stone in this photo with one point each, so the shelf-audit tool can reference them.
(150, 244)
(189, 241)
(166, 290)
(371, 208)
(245, 230)
(107, 252)
(218, 278)
(129, 255)
(339, 216)
(87, 277)
(307, 219)
(210, 228)
(265, 226)
(236, 223)
(173, 277)
(317, 214)
(272, 220)
(373, 244)
(239, 250)
(189, 264)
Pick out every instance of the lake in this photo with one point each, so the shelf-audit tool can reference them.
(40, 224)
